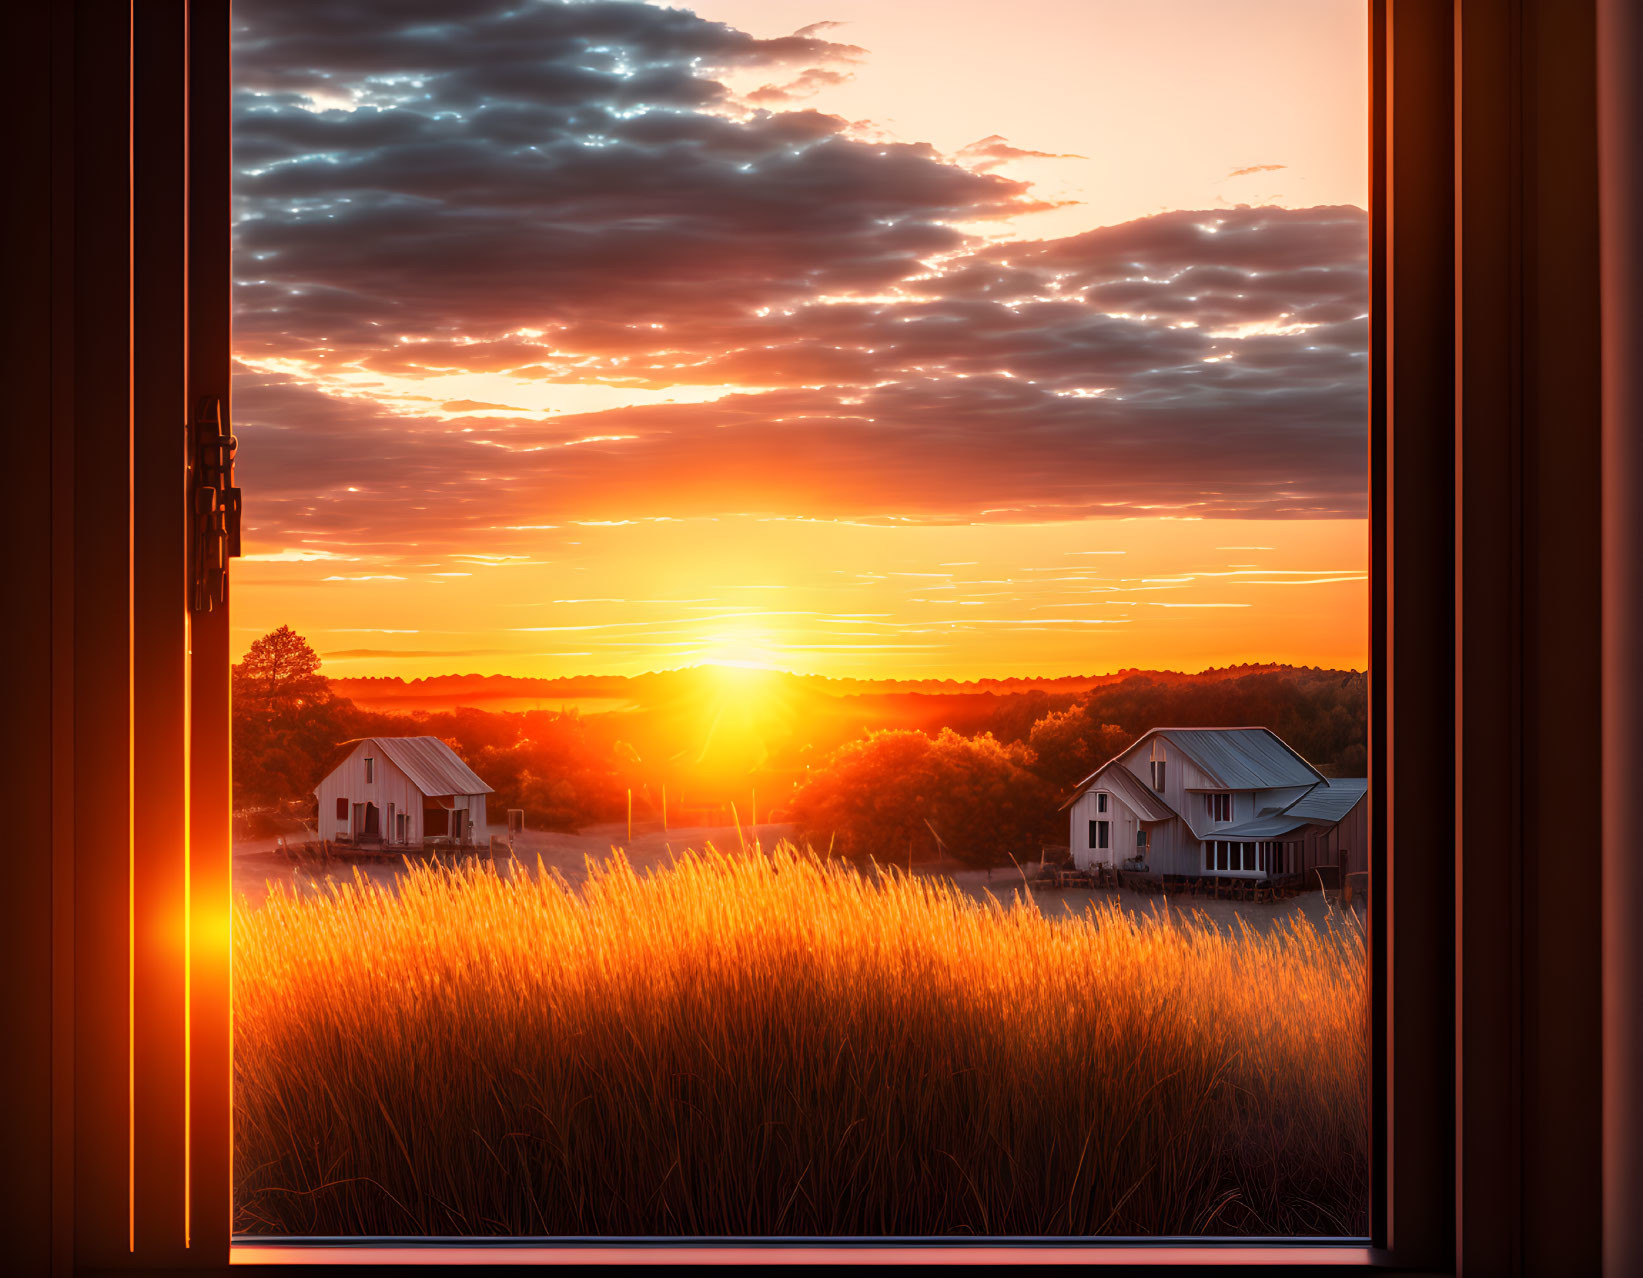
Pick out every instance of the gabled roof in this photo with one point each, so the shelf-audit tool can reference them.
(434, 768)
(1327, 805)
(1130, 788)
(1235, 758)
(1242, 758)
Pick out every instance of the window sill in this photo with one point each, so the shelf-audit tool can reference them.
(1129, 1252)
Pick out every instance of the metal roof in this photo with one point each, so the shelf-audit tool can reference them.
(1235, 758)
(434, 768)
(1241, 758)
(1329, 804)
(1131, 789)
(1267, 827)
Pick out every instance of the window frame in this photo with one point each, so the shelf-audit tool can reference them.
(1484, 414)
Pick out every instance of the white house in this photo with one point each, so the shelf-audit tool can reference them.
(1217, 802)
(398, 791)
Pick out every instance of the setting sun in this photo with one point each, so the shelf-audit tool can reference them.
(893, 383)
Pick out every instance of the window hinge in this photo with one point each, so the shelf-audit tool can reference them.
(216, 522)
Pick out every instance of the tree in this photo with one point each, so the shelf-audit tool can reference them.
(286, 721)
(280, 674)
(1070, 744)
(898, 795)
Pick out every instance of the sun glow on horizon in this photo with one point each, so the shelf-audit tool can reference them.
(841, 599)
(874, 350)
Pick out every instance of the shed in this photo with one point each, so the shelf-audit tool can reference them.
(400, 791)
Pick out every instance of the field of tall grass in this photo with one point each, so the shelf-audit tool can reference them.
(760, 1043)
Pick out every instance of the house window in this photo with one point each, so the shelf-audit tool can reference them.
(1099, 831)
(1220, 806)
(370, 770)
(1100, 800)
(1158, 762)
(342, 809)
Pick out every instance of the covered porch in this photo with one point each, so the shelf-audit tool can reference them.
(1268, 848)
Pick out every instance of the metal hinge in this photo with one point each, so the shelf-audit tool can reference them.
(216, 528)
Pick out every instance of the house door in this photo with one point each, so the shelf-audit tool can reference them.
(373, 824)
(357, 827)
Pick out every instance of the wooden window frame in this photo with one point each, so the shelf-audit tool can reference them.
(1487, 652)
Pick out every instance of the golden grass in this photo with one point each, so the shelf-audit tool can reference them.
(761, 1044)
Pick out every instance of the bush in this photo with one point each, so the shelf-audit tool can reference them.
(901, 795)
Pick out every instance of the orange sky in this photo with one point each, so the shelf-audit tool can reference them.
(1146, 105)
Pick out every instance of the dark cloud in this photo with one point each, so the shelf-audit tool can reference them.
(810, 83)
(341, 654)
(565, 192)
(990, 152)
(546, 163)
(476, 406)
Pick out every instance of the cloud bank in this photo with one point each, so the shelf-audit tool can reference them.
(566, 194)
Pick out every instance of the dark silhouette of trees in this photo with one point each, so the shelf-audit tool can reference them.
(288, 726)
(978, 775)
(285, 720)
(1322, 714)
(1070, 744)
(899, 796)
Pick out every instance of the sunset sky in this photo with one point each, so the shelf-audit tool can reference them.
(900, 339)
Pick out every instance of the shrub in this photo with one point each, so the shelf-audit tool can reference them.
(901, 795)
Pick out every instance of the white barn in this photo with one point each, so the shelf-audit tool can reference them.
(399, 791)
(1217, 803)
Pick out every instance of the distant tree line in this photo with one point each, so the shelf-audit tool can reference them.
(289, 728)
(1322, 714)
(977, 779)
(999, 796)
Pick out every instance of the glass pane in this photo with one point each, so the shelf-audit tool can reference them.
(723, 487)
